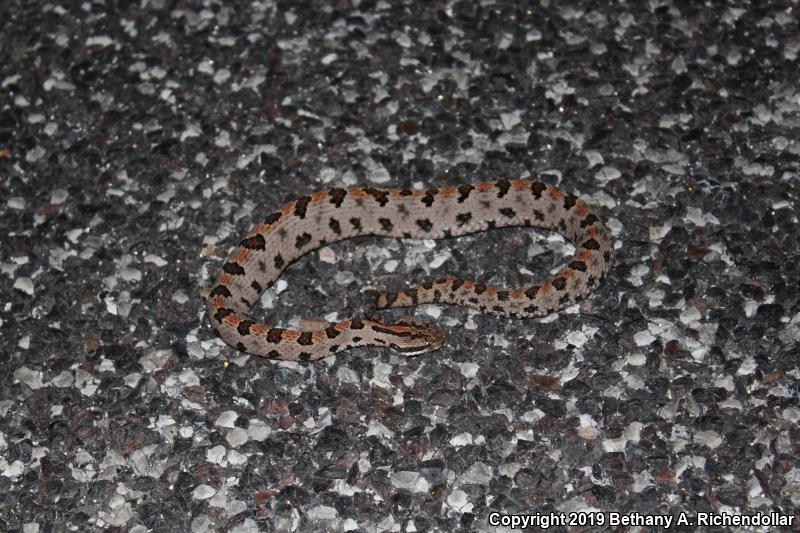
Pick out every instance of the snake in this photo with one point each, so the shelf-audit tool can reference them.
(328, 216)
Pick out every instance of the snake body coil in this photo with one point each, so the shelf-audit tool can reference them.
(328, 216)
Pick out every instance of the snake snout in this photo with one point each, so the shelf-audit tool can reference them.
(423, 337)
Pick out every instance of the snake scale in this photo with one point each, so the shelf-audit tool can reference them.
(328, 216)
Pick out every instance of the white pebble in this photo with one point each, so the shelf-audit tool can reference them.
(164, 421)
(57, 196)
(439, 260)
(576, 338)
(226, 419)
(221, 76)
(462, 439)
(404, 479)
(327, 255)
(31, 378)
(156, 260)
(690, 315)
(606, 174)
(223, 140)
(237, 437)
(25, 285)
(35, 154)
(469, 370)
(258, 430)
(99, 40)
(792, 415)
(433, 311)
(709, 439)
(347, 375)
(643, 338)
(594, 157)
(16, 202)
(236, 458)
(216, 455)
(130, 274)
(322, 512)
(510, 120)
(280, 286)
(457, 500)
(203, 492)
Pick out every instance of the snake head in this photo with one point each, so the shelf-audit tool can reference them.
(415, 337)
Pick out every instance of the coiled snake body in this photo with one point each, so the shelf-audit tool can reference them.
(328, 216)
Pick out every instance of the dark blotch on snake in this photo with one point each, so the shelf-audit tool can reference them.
(502, 187)
(580, 266)
(380, 196)
(386, 224)
(274, 335)
(220, 290)
(302, 240)
(337, 196)
(233, 268)
(464, 191)
(301, 205)
(429, 197)
(273, 218)
(256, 242)
(508, 212)
(537, 188)
(589, 220)
(591, 244)
(222, 312)
(244, 327)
